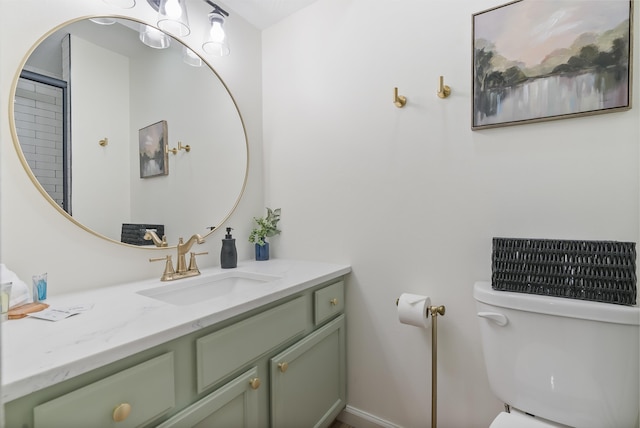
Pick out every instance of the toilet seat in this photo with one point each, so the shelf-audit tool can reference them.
(518, 419)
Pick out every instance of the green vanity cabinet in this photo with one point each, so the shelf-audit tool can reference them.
(229, 375)
(130, 398)
(308, 379)
(234, 405)
(328, 302)
(233, 347)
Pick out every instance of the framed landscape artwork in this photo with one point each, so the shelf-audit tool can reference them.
(536, 60)
(152, 142)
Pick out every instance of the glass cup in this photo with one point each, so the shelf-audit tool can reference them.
(5, 298)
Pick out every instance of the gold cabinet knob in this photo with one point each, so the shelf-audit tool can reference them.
(334, 302)
(254, 382)
(121, 412)
(283, 366)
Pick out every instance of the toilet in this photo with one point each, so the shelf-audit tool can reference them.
(559, 362)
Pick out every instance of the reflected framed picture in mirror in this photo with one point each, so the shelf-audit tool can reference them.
(535, 61)
(154, 160)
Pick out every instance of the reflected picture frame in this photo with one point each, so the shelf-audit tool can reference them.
(536, 61)
(154, 156)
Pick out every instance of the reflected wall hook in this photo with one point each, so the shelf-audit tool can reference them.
(443, 91)
(398, 100)
(186, 148)
(104, 142)
(175, 151)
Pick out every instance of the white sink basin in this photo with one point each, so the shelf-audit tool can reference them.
(198, 289)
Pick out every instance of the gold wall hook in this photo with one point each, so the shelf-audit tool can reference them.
(399, 100)
(186, 148)
(443, 91)
(167, 150)
(104, 142)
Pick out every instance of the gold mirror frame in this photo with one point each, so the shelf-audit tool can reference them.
(43, 192)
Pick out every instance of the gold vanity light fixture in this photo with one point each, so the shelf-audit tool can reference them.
(172, 17)
(215, 42)
(443, 90)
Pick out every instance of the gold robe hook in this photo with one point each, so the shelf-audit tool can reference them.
(443, 91)
(398, 100)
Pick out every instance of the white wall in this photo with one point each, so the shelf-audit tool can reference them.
(210, 126)
(412, 197)
(36, 238)
(98, 183)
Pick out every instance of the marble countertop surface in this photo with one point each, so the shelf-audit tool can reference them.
(38, 353)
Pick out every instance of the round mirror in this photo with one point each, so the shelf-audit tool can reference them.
(124, 129)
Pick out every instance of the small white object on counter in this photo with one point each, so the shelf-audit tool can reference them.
(57, 314)
(37, 354)
(20, 293)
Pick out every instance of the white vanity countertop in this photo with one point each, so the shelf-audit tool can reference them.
(38, 353)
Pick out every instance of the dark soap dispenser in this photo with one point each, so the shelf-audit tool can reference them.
(228, 255)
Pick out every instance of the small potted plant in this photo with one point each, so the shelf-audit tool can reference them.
(267, 226)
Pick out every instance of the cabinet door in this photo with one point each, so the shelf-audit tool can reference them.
(221, 353)
(235, 405)
(130, 398)
(308, 385)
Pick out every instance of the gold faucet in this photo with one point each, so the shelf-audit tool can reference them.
(183, 249)
(181, 271)
(150, 235)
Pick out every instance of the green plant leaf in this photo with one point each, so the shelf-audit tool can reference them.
(267, 226)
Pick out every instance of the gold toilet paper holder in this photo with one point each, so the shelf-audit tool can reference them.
(434, 311)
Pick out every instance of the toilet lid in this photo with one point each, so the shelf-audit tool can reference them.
(517, 419)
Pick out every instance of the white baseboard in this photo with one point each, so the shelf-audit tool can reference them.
(359, 419)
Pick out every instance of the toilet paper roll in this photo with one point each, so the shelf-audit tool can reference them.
(412, 310)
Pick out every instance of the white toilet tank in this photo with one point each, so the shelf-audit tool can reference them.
(569, 361)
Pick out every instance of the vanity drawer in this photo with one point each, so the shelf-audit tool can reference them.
(147, 388)
(328, 302)
(225, 351)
